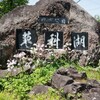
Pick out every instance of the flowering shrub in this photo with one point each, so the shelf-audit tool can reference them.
(20, 85)
(36, 56)
(11, 64)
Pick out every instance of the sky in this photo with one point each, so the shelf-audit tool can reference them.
(91, 6)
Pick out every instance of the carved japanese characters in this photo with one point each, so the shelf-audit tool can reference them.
(54, 39)
(25, 38)
(79, 41)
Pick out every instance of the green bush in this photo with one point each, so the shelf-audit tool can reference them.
(19, 86)
(7, 96)
(51, 95)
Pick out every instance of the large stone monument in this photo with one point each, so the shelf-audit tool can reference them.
(57, 16)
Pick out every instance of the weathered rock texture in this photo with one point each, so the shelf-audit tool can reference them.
(65, 78)
(13, 72)
(72, 87)
(39, 89)
(27, 17)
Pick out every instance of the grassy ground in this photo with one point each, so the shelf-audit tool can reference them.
(16, 88)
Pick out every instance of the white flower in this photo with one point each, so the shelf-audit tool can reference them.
(42, 45)
(69, 44)
(69, 48)
(40, 54)
(12, 67)
(16, 56)
(8, 65)
(11, 64)
(94, 98)
(14, 70)
(34, 44)
(22, 54)
(27, 65)
(45, 46)
(14, 62)
(33, 67)
(38, 46)
(51, 52)
(44, 62)
(9, 69)
(41, 49)
(8, 60)
(31, 51)
(31, 48)
(18, 64)
(85, 52)
(35, 50)
(64, 46)
(23, 58)
(38, 61)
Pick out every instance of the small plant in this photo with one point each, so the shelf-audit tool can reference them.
(45, 63)
(5, 96)
(35, 57)
(50, 95)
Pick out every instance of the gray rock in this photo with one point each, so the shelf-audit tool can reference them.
(93, 94)
(75, 84)
(70, 89)
(97, 89)
(78, 75)
(67, 71)
(72, 70)
(93, 83)
(74, 88)
(39, 89)
(59, 81)
(91, 90)
(13, 72)
(62, 71)
(27, 17)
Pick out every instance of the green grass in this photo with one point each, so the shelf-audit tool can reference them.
(7, 96)
(18, 87)
(21, 84)
(51, 95)
(92, 73)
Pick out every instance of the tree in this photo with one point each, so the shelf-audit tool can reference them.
(97, 17)
(8, 5)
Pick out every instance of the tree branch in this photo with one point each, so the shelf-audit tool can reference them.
(78, 1)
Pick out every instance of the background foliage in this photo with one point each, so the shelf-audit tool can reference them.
(8, 5)
(97, 17)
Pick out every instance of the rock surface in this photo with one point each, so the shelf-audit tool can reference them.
(93, 94)
(27, 17)
(39, 89)
(70, 88)
(13, 72)
(58, 81)
(89, 89)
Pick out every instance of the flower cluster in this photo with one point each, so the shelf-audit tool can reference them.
(11, 64)
(38, 55)
(37, 50)
(30, 58)
(20, 60)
